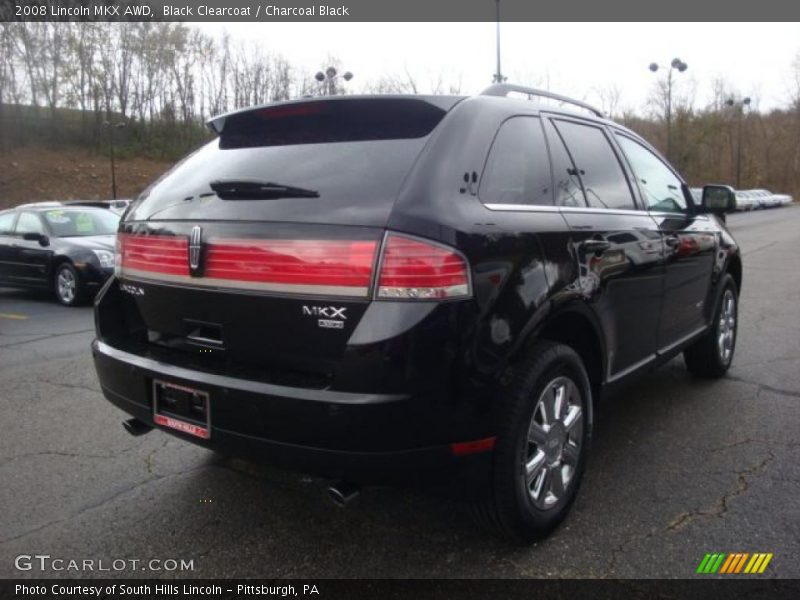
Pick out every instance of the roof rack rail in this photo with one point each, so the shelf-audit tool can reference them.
(503, 89)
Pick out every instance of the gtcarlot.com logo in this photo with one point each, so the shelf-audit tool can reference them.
(734, 563)
(45, 562)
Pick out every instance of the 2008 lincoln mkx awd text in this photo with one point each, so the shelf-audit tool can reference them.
(414, 290)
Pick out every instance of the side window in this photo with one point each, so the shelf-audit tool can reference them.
(566, 185)
(29, 223)
(518, 168)
(6, 222)
(661, 189)
(604, 181)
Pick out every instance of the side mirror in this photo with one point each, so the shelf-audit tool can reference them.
(36, 237)
(718, 199)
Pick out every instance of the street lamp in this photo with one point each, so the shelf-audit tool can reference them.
(498, 76)
(741, 104)
(111, 126)
(676, 65)
(327, 80)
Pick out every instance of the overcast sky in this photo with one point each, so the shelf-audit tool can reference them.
(574, 58)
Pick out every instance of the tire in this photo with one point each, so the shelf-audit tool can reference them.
(67, 285)
(711, 355)
(523, 508)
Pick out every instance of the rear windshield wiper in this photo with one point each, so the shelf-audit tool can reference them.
(253, 189)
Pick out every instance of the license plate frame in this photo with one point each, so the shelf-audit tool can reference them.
(179, 420)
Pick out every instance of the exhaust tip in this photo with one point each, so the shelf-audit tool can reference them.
(343, 492)
(136, 427)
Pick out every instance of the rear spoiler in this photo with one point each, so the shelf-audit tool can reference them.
(217, 124)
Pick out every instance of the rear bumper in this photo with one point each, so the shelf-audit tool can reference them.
(320, 428)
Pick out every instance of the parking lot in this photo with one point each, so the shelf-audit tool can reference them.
(680, 467)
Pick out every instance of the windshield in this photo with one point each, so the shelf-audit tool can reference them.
(81, 222)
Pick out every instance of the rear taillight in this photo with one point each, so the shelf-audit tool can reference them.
(409, 268)
(328, 267)
(415, 269)
(140, 254)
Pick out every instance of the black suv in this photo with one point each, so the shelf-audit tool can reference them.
(415, 290)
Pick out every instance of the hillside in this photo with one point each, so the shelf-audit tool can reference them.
(45, 173)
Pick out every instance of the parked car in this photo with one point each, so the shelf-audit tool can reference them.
(58, 246)
(745, 200)
(762, 198)
(414, 289)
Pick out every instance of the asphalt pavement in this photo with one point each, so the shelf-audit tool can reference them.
(680, 467)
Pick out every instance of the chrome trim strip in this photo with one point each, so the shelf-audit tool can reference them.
(231, 284)
(684, 339)
(566, 209)
(604, 211)
(524, 207)
(658, 354)
(631, 369)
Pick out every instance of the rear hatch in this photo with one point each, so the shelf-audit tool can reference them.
(259, 251)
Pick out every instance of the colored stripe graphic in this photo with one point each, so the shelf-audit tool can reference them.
(752, 562)
(734, 563)
(703, 563)
(727, 564)
(740, 564)
(718, 563)
(764, 564)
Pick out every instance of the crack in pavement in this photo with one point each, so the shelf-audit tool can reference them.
(766, 387)
(102, 502)
(45, 337)
(148, 460)
(73, 386)
(722, 504)
(682, 520)
(63, 453)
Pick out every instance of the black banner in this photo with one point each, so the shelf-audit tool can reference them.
(386, 589)
(264, 11)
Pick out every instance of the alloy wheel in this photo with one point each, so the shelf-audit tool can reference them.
(553, 448)
(66, 285)
(726, 330)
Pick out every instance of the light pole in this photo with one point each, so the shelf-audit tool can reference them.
(498, 76)
(676, 65)
(328, 80)
(741, 104)
(111, 126)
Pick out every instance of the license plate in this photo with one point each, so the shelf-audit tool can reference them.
(182, 408)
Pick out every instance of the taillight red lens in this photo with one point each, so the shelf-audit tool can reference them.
(335, 267)
(416, 269)
(148, 254)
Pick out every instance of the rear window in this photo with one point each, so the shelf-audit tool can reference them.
(518, 169)
(354, 154)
